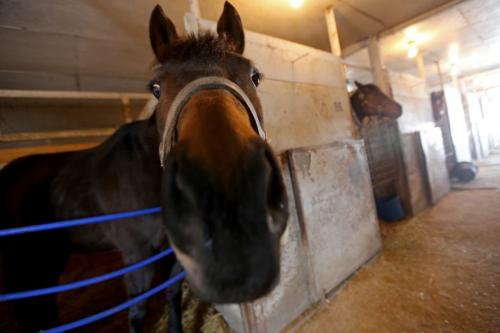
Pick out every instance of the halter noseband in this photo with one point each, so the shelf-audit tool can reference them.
(181, 99)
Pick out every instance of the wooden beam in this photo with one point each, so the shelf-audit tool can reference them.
(191, 19)
(148, 109)
(32, 136)
(126, 112)
(9, 154)
(333, 34)
(421, 67)
(54, 94)
(380, 75)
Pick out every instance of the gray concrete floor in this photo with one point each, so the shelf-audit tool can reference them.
(437, 272)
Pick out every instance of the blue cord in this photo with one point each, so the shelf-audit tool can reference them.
(118, 308)
(86, 282)
(79, 222)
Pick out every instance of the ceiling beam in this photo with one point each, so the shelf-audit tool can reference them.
(400, 26)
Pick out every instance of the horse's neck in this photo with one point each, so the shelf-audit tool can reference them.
(122, 173)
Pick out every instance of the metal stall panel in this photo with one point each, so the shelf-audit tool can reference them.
(415, 173)
(432, 145)
(291, 296)
(335, 203)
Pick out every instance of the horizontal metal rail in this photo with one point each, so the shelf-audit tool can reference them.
(56, 94)
(86, 282)
(66, 134)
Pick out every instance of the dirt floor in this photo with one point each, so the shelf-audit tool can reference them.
(438, 272)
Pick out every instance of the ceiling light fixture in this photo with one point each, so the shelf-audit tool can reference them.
(296, 4)
(412, 49)
(454, 70)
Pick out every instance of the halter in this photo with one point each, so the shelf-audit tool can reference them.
(181, 99)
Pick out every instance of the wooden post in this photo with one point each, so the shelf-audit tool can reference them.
(380, 75)
(421, 67)
(126, 112)
(148, 109)
(191, 19)
(333, 34)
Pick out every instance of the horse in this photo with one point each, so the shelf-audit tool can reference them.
(368, 100)
(219, 184)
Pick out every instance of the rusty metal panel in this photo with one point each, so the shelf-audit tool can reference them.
(336, 210)
(415, 172)
(291, 296)
(432, 145)
(383, 150)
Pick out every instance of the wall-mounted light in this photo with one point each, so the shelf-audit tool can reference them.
(296, 4)
(412, 49)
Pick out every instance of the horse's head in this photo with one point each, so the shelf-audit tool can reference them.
(224, 202)
(369, 100)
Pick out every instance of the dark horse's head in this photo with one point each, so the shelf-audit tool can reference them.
(369, 100)
(224, 202)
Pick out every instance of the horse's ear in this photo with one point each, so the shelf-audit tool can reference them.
(359, 85)
(230, 29)
(161, 33)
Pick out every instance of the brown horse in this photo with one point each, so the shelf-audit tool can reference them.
(370, 101)
(224, 205)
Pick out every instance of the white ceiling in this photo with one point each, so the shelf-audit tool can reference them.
(103, 45)
(473, 25)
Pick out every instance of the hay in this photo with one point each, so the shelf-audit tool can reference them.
(197, 316)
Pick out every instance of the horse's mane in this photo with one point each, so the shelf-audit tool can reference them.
(206, 45)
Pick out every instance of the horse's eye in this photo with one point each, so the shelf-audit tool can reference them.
(156, 90)
(256, 77)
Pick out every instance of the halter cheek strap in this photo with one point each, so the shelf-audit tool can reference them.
(181, 99)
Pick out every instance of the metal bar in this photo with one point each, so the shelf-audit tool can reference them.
(79, 222)
(85, 282)
(29, 136)
(118, 308)
(55, 94)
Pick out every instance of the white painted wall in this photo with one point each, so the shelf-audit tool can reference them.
(410, 91)
(458, 125)
(480, 129)
(491, 103)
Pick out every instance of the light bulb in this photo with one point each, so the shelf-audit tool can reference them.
(412, 49)
(296, 4)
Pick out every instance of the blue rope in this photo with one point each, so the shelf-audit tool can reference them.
(118, 308)
(86, 282)
(78, 222)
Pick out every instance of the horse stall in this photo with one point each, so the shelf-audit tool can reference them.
(333, 229)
